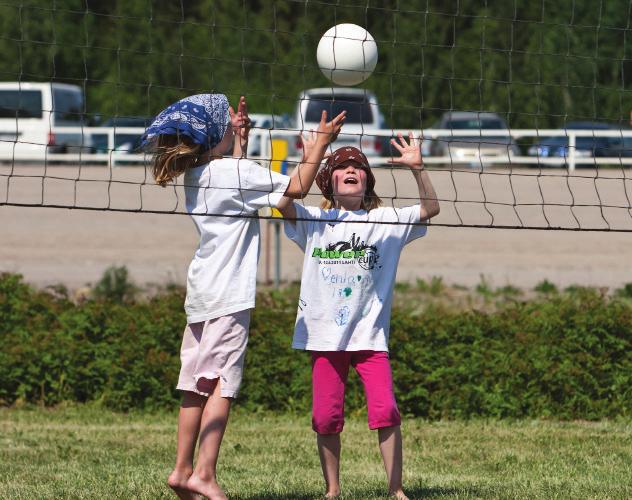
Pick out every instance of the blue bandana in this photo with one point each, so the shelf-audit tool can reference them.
(203, 118)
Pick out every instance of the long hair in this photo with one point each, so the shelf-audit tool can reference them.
(369, 202)
(174, 154)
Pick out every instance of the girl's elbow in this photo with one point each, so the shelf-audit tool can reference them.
(295, 190)
(430, 212)
(291, 192)
(295, 195)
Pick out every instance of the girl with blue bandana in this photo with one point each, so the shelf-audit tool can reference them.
(223, 195)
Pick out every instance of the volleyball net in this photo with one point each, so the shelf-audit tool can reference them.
(523, 107)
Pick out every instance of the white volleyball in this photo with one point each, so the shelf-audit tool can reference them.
(347, 54)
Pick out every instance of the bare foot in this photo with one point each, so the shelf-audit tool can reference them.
(332, 494)
(177, 481)
(208, 488)
(398, 494)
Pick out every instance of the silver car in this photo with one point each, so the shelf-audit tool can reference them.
(474, 150)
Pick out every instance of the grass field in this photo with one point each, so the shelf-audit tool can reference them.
(87, 452)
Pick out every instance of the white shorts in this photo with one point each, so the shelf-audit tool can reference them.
(214, 349)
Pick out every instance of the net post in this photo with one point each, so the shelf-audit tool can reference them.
(277, 254)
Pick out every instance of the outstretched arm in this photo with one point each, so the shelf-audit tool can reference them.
(314, 149)
(411, 157)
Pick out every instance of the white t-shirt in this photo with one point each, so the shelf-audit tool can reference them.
(223, 273)
(348, 275)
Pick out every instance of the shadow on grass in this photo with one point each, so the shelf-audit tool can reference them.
(414, 492)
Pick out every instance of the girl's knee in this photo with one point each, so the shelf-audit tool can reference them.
(327, 422)
(384, 415)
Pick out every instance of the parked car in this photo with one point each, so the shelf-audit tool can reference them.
(123, 141)
(363, 116)
(474, 149)
(29, 114)
(389, 151)
(585, 147)
(262, 122)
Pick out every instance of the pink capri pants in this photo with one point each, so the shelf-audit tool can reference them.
(329, 378)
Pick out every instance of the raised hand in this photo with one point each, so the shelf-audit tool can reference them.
(240, 120)
(328, 131)
(241, 127)
(410, 152)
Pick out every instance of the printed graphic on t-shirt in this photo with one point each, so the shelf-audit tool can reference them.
(345, 252)
(342, 316)
(346, 270)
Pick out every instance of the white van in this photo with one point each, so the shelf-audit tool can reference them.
(29, 114)
(363, 116)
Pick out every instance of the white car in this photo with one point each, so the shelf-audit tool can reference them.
(262, 124)
(29, 115)
(363, 116)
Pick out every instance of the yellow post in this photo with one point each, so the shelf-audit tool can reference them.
(277, 156)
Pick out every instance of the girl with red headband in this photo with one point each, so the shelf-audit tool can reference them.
(352, 247)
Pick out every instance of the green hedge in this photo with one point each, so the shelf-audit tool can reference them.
(564, 355)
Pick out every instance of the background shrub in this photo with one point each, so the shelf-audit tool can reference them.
(565, 355)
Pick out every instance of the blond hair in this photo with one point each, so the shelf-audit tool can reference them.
(369, 202)
(174, 154)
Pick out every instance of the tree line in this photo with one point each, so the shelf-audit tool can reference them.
(539, 64)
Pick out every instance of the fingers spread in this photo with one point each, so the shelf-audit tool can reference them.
(397, 146)
(341, 116)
